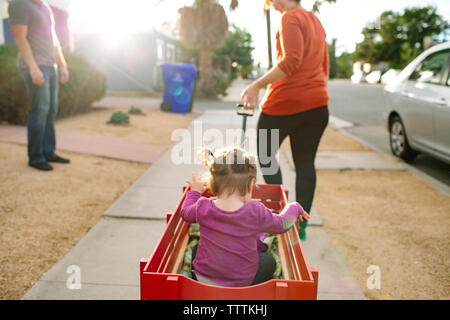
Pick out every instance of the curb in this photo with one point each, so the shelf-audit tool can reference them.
(419, 174)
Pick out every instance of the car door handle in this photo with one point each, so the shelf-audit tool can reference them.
(442, 102)
(406, 94)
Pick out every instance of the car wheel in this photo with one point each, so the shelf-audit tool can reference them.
(399, 142)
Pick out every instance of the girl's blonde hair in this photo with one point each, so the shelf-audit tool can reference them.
(230, 169)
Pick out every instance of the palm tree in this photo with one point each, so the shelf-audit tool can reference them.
(204, 26)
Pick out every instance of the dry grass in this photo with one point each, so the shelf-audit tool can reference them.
(393, 220)
(153, 127)
(44, 214)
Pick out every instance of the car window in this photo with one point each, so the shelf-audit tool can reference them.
(429, 71)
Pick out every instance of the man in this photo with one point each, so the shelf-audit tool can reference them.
(33, 28)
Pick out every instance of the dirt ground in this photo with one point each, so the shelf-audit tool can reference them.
(44, 214)
(389, 219)
(392, 220)
(153, 126)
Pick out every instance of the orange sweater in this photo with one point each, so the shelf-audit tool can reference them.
(302, 53)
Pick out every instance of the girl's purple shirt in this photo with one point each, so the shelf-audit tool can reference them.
(227, 252)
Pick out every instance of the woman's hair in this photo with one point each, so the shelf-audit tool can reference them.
(230, 169)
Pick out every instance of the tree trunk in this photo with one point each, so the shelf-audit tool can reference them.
(206, 80)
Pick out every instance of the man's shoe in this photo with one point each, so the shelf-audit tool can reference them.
(44, 166)
(58, 159)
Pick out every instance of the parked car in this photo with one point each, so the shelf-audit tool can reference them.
(417, 106)
(358, 77)
(389, 76)
(374, 77)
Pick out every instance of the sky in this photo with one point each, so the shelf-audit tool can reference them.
(343, 20)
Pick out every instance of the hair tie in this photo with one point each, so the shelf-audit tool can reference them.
(206, 157)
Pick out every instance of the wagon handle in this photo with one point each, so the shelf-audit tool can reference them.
(244, 113)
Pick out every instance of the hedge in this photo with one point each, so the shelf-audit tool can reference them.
(86, 84)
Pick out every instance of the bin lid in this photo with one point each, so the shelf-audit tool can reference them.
(181, 66)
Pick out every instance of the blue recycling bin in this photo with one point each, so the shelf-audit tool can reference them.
(179, 82)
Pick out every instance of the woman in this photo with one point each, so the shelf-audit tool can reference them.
(296, 100)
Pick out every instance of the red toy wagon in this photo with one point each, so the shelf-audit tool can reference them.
(161, 278)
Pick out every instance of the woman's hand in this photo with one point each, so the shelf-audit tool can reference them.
(250, 96)
(196, 185)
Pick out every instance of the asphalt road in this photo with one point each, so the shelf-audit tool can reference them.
(363, 104)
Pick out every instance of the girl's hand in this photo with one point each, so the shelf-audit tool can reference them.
(196, 185)
(305, 215)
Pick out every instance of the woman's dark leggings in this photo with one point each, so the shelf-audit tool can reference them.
(304, 130)
(266, 266)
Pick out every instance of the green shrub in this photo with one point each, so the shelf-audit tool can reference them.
(14, 103)
(221, 81)
(135, 110)
(86, 84)
(119, 118)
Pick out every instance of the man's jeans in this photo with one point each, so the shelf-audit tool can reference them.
(41, 117)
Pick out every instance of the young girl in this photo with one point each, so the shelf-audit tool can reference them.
(227, 253)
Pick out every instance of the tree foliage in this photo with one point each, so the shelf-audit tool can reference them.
(318, 3)
(340, 67)
(333, 60)
(344, 65)
(397, 38)
(235, 54)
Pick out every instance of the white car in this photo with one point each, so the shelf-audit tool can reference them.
(417, 106)
(374, 77)
(389, 76)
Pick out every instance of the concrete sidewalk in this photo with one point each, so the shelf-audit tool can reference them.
(108, 256)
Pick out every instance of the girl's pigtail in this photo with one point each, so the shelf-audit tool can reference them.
(206, 157)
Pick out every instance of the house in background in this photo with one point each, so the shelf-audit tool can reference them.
(5, 30)
(131, 64)
(4, 25)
